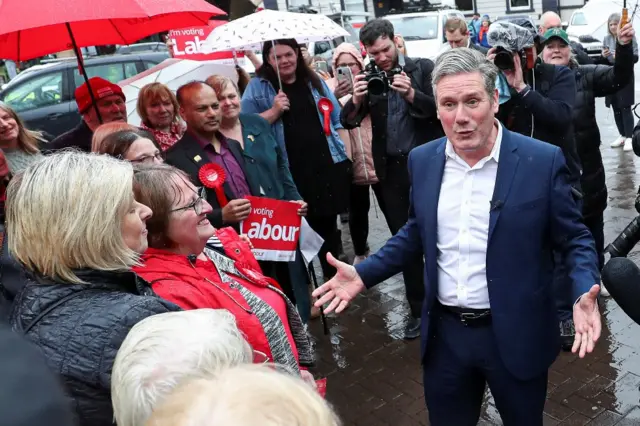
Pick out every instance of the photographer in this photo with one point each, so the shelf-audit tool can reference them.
(396, 92)
(541, 103)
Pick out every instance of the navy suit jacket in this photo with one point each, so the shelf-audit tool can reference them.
(533, 212)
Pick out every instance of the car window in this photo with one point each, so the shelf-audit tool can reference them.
(148, 64)
(113, 72)
(416, 27)
(130, 69)
(38, 92)
(578, 19)
(321, 47)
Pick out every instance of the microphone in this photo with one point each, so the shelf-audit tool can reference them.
(496, 205)
(621, 277)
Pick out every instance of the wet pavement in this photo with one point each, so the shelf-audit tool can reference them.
(374, 376)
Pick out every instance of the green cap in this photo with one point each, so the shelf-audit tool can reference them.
(555, 32)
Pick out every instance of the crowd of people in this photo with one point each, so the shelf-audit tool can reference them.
(131, 277)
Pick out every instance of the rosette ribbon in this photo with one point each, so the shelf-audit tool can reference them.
(213, 176)
(326, 107)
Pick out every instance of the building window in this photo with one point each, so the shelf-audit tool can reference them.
(354, 6)
(519, 4)
(465, 6)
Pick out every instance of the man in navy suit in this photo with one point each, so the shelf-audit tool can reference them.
(487, 208)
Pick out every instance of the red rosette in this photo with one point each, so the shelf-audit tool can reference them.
(321, 386)
(213, 176)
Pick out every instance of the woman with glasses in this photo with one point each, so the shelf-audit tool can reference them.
(137, 146)
(184, 269)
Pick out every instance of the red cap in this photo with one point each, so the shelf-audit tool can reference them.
(101, 89)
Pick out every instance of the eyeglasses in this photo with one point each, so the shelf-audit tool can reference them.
(198, 204)
(148, 158)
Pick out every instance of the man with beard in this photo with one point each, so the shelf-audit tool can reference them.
(202, 144)
(110, 102)
(403, 116)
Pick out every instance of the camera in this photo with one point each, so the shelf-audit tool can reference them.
(379, 81)
(504, 59)
(628, 238)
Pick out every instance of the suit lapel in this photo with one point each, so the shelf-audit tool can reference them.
(199, 157)
(435, 171)
(507, 166)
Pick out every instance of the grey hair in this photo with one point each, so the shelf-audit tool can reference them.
(463, 60)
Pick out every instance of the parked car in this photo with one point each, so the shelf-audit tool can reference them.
(44, 98)
(142, 47)
(423, 32)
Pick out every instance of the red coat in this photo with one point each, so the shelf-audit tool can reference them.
(175, 279)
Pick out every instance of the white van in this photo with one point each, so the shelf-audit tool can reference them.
(423, 32)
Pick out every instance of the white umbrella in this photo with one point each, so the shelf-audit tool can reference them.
(174, 73)
(251, 31)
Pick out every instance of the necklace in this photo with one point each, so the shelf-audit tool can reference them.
(249, 311)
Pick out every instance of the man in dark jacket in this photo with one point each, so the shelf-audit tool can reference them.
(457, 34)
(403, 116)
(541, 107)
(110, 102)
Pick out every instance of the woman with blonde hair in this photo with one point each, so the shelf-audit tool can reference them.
(401, 44)
(21, 146)
(105, 130)
(75, 227)
(252, 395)
(159, 111)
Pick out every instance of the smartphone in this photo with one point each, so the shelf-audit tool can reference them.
(321, 66)
(344, 73)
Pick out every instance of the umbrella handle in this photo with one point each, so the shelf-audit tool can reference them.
(83, 71)
(273, 47)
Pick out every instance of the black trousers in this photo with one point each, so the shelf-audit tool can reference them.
(393, 197)
(624, 121)
(327, 228)
(595, 224)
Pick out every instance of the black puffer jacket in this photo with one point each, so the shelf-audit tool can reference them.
(80, 327)
(594, 81)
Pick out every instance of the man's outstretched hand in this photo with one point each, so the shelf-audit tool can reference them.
(587, 322)
(341, 289)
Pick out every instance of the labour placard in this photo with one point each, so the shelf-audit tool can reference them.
(187, 42)
(273, 227)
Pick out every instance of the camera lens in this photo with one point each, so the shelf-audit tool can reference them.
(504, 61)
(627, 239)
(376, 86)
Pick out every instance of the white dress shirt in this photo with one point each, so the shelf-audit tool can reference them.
(463, 228)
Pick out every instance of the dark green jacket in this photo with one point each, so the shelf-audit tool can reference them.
(265, 165)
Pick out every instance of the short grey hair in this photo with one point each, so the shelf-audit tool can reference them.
(162, 351)
(463, 60)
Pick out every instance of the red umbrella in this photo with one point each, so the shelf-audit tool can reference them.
(33, 28)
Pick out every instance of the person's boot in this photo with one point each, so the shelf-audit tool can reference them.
(412, 330)
(341, 256)
(567, 334)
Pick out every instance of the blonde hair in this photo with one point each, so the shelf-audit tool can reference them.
(148, 367)
(104, 130)
(246, 395)
(28, 140)
(220, 83)
(65, 212)
(152, 92)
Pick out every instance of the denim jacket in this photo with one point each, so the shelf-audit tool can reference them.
(258, 97)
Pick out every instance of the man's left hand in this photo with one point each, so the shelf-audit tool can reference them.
(402, 84)
(302, 211)
(587, 322)
(515, 77)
